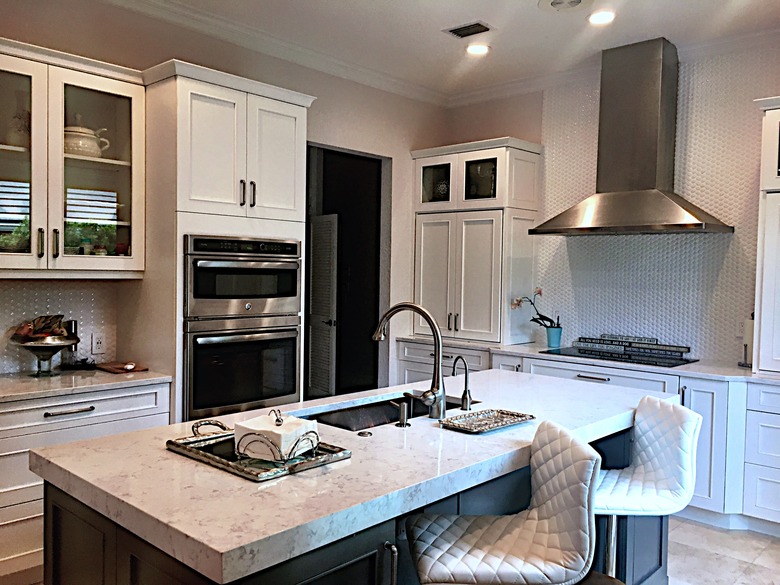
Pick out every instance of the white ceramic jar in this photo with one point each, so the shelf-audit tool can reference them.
(84, 141)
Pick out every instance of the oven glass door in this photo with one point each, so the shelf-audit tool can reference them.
(237, 372)
(236, 287)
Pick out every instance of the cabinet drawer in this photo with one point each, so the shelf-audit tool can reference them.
(418, 352)
(763, 397)
(34, 416)
(21, 529)
(762, 492)
(18, 484)
(642, 380)
(510, 363)
(762, 441)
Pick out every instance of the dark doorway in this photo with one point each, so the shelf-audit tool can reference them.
(346, 189)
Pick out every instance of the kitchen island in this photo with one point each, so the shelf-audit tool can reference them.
(227, 528)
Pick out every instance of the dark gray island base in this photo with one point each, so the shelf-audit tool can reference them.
(82, 546)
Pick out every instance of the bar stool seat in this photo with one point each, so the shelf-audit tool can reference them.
(550, 543)
(661, 477)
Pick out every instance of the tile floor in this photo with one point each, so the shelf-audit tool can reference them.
(704, 555)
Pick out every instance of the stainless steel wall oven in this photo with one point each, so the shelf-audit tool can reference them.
(241, 323)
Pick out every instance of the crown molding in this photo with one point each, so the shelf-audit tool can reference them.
(180, 13)
(213, 25)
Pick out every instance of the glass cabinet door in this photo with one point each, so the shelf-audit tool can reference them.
(480, 179)
(96, 157)
(435, 179)
(22, 163)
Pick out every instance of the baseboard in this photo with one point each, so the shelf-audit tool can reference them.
(730, 521)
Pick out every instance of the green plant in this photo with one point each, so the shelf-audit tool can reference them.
(19, 238)
(540, 319)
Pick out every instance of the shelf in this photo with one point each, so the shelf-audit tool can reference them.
(9, 148)
(92, 162)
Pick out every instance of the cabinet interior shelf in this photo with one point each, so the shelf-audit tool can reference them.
(88, 161)
(9, 148)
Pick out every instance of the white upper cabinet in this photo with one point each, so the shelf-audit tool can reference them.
(71, 172)
(488, 174)
(770, 144)
(240, 154)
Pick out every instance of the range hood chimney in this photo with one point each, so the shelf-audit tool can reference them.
(635, 173)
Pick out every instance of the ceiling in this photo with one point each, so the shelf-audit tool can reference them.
(400, 46)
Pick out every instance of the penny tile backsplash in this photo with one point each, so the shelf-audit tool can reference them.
(91, 303)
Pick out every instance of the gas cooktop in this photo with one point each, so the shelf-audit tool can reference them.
(669, 362)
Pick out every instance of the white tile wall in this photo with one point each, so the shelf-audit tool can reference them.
(91, 303)
(686, 289)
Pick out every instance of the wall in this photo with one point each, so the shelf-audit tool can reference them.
(90, 303)
(687, 289)
(345, 115)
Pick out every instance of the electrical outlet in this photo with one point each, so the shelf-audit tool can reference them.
(98, 343)
(740, 328)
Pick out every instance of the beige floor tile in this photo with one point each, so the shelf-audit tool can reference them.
(738, 544)
(694, 566)
(770, 557)
(675, 522)
(757, 575)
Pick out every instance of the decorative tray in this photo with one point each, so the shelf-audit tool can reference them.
(218, 449)
(483, 421)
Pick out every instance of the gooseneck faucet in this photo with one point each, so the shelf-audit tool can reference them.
(433, 398)
(465, 399)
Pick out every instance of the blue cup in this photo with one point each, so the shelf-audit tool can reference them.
(553, 336)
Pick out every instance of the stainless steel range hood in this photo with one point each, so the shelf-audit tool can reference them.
(635, 172)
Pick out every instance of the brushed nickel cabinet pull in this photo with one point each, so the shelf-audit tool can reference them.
(393, 562)
(449, 321)
(243, 193)
(41, 242)
(457, 316)
(594, 378)
(253, 193)
(66, 412)
(55, 253)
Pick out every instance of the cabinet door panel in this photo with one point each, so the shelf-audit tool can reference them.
(769, 324)
(276, 154)
(479, 275)
(212, 135)
(434, 283)
(23, 174)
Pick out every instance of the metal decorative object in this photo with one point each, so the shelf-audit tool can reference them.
(218, 449)
(483, 421)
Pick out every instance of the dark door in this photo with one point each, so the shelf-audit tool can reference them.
(349, 187)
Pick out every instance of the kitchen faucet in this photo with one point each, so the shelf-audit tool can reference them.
(433, 398)
(465, 399)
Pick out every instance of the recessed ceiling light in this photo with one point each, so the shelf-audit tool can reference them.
(477, 49)
(601, 17)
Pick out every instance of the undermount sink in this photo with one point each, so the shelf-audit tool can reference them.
(365, 416)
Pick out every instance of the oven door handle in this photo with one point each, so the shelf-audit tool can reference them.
(220, 339)
(290, 265)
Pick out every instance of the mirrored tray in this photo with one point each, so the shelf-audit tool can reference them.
(219, 450)
(483, 421)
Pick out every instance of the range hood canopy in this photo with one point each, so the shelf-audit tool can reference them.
(635, 172)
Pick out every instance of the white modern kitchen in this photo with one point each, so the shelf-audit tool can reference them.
(283, 282)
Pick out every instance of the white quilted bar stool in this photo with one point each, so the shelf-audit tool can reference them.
(661, 477)
(550, 543)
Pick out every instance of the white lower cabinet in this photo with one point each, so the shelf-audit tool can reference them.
(415, 360)
(720, 452)
(762, 453)
(41, 422)
(511, 363)
(602, 375)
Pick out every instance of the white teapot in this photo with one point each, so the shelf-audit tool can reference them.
(84, 141)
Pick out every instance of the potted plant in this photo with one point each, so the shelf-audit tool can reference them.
(552, 326)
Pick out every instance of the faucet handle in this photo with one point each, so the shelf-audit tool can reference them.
(427, 397)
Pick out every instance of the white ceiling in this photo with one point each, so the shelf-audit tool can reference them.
(399, 45)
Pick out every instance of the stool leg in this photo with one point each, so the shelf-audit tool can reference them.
(611, 560)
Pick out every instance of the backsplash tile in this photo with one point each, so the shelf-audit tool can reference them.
(684, 289)
(91, 303)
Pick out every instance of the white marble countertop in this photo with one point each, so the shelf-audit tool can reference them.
(24, 387)
(227, 527)
(703, 368)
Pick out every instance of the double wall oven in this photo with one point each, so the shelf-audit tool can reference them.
(241, 323)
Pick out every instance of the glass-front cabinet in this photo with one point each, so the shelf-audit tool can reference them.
(489, 174)
(71, 170)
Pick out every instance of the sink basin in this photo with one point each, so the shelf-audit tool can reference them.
(365, 416)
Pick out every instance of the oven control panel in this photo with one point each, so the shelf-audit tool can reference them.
(242, 246)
